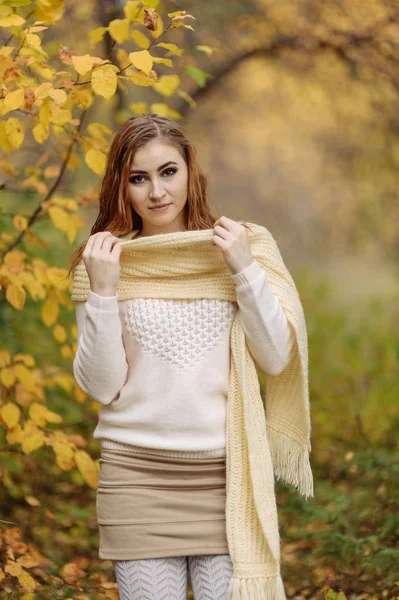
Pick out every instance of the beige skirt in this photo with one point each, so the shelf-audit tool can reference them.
(152, 506)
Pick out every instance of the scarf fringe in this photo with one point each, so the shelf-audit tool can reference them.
(291, 462)
(261, 588)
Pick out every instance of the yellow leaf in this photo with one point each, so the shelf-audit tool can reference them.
(10, 413)
(141, 60)
(141, 40)
(60, 116)
(140, 78)
(64, 452)
(104, 81)
(163, 61)
(59, 217)
(42, 92)
(52, 171)
(49, 312)
(82, 97)
(82, 64)
(88, 468)
(180, 24)
(59, 333)
(14, 435)
(138, 107)
(44, 71)
(33, 40)
(32, 501)
(20, 222)
(27, 359)
(71, 231)
(31, 438)
(16, 296)
(15, 258)
(65, 381)
(41, 133)
(4, 141)
(97, 35)
(209, 50)
(187, 98)
(25, 376)
(6, 50)
(167, 84)
(14, 100)
(59, 96)
(80, 395)
(15, 132)
(119, 30)
(66, 351)
(26, 580)
(96, 160)
(57, 277)
(165, 111)
(49, 11)
(67, 202)
(12, 21)
(131, 9)
(41, 415)
(177, 13)
(5, 355)
(122, 58)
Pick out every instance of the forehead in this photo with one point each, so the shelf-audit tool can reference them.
(153, 154)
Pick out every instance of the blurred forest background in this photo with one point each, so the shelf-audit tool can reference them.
(293, 108)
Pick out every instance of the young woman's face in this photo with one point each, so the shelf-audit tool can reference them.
(159, 175)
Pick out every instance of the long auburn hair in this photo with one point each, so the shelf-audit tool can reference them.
(116, 214)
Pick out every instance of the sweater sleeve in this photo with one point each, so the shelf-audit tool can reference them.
(270, 336)
(100, 366)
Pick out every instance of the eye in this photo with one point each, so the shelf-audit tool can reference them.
(133, 179)
(170, 169)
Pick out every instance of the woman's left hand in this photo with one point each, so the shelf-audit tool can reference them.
(232, 239)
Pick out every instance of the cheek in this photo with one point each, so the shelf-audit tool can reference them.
(136, 194)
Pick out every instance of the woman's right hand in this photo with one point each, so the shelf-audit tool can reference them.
(101, 258)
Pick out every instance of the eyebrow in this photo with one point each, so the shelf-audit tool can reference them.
(170, 162)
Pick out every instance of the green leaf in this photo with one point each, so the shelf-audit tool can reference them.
(197, 75)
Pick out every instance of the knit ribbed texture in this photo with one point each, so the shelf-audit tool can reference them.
(259, 444)
(112, 445)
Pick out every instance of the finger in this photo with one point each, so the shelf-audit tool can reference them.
(222, 232)
(229, 224)
(116, 250)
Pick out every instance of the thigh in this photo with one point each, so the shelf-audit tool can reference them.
(210, 576)
(152, 578)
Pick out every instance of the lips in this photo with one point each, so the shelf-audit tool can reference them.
(159, 206)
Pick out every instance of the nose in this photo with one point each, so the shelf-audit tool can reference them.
(156, 190)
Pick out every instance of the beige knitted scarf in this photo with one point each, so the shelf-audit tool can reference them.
(265, 438)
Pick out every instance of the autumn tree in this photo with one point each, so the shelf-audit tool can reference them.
(53, 131)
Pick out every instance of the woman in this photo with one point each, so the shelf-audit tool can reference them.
(160, 369)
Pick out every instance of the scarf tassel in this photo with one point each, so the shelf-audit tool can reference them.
(262, 588)
(291, 462)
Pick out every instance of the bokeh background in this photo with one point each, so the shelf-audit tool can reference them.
(293, 108)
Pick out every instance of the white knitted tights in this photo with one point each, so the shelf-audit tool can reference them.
(166, 578)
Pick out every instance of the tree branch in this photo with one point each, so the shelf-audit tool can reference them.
(49, 194)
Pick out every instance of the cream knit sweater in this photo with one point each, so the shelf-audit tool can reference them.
(265, 438)
(160, 368)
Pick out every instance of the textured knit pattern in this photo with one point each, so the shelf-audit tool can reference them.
(187, 265)
(166, 578)
(151, 324)
(210, 576)
(160, 367)
(152, 579)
